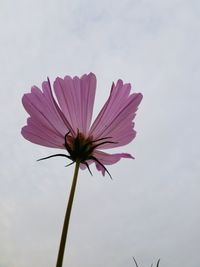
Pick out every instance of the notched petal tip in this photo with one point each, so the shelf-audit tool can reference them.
(22, 131)
(89, 75)
(127, 156)
(140, 97)
(24, 99)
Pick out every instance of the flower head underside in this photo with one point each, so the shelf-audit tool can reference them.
(65, 121)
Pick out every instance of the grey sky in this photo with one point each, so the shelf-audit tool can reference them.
(151, 208)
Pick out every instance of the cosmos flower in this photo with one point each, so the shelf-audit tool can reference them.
(64, 121)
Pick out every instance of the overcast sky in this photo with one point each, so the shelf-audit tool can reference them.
(150, 209)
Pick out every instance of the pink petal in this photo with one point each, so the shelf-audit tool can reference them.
(46, 125)
(108, 159)
(115, 120)
(76, 98)
(41, 135)
(83, 166)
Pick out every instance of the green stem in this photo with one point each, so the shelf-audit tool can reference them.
(67, 218)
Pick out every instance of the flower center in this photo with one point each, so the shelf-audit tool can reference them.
(79, 148)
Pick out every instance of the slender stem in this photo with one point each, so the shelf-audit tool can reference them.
(67, 218)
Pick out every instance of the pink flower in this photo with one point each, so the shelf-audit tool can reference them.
(65, 122)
